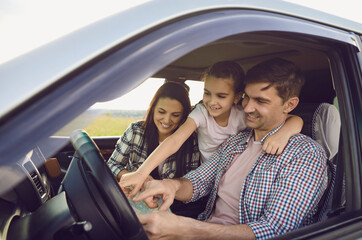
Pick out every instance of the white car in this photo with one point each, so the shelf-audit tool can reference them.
(45, 89)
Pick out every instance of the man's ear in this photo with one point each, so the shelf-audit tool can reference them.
(238, 97)
(290, 104)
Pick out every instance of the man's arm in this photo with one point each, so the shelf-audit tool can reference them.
(166, 225)
(303, 179)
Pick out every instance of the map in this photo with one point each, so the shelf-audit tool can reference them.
(141, 207)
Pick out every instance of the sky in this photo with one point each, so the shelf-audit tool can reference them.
(131, 100)
(27, 24)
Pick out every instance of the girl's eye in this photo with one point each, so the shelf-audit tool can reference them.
(161, 112)
(222, 96)
(206, 93)
(176, 115)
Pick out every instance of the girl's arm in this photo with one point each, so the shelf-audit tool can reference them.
(121, 173)
(276, 143)
(168, 147)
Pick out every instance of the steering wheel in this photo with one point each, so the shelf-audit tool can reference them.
(95, 196)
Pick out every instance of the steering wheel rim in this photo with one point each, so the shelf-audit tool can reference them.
(99, 173)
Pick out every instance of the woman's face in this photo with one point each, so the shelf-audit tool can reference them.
(167, 116)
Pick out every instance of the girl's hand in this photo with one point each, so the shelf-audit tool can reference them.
(134, 180)
(275, 144)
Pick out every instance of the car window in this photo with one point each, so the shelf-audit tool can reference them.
(111, 118)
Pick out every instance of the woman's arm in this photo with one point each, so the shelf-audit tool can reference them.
(276, 143)
(168, 147)
(119, 159)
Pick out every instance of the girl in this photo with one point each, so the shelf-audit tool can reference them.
(214, 120)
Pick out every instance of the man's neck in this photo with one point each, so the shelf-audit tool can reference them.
(259, 134)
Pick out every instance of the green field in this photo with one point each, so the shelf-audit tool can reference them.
(98, 125)
(109, 126)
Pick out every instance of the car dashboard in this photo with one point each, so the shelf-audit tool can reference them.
(30, 209)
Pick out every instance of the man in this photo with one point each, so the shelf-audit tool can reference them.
(253, 195)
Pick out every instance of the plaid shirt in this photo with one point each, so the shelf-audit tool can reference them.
(131, 152)
(279, 194)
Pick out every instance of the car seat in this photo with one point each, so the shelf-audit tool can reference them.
(322, 123)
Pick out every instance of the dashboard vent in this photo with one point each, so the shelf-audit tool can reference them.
(34, 174)
(38, 185)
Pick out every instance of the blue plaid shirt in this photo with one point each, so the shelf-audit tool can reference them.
(279, 194)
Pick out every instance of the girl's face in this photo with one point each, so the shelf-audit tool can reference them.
(219, 97)
(167, 116)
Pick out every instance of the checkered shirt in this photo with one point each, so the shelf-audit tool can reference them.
(131, 151)
(280, 193)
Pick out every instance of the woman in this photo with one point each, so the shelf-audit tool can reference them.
(168, 109)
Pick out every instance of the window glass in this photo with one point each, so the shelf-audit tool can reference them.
(113, 117)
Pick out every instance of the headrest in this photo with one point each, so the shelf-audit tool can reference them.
(322, 122)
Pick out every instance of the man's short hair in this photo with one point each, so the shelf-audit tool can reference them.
(284, 75)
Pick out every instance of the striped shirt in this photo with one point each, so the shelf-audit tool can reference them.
(131, 151)
(279, 194)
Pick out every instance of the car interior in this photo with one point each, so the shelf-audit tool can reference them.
(54, 178)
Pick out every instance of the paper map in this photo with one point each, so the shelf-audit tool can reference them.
(141, 207)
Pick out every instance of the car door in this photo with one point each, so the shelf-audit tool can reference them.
(129, 63)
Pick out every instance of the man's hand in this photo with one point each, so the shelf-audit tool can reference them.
(166, 188)
(160, 225)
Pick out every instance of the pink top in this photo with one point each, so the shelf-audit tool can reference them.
(227, 204)
(210, 135)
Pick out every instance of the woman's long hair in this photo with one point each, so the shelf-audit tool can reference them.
(179, 92)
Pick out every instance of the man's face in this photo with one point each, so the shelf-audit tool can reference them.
(263, 107)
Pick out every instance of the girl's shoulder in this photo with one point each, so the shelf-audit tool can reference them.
(199, 114)
(199, 107)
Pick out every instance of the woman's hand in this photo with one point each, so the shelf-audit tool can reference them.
(134, 180)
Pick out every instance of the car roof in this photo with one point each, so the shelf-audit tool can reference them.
(27, 75)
